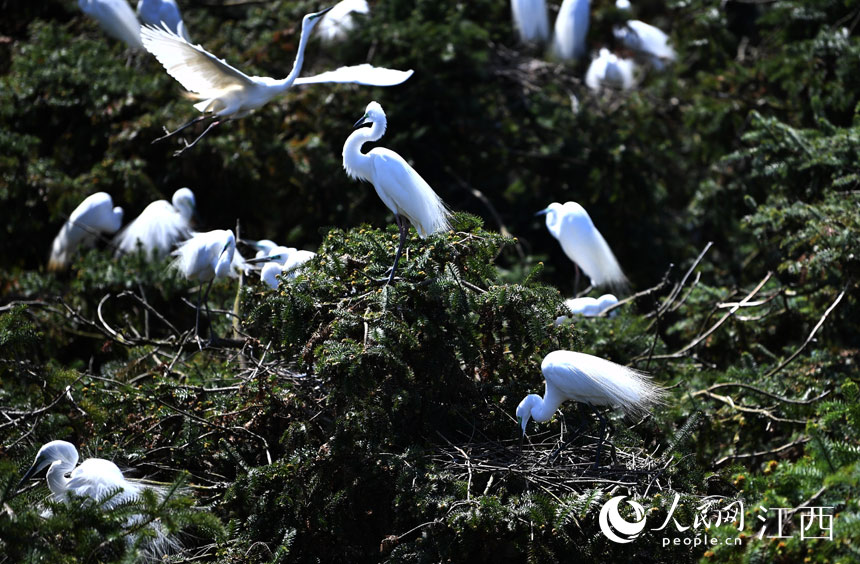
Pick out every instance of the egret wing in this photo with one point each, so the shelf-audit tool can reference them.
(116, 18)
(157, 228)
(407, 194)
(531, 19)
(360, 74)
(192, 66)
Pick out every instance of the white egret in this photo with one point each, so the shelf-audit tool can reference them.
(96, 479)
(279, 260)
(583, 243)
(397, 184)
(609, 70)
(226, 92)
(337, 24)
(261, 247)
(571, 29)
(647, 40)
(94, 216)
(531, 20)
(116, 18)
(587, 379)
(154, 12)
(203, 258)
(590, 307)
(159, 226)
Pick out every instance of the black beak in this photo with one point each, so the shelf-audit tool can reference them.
(360, 122)
(30, 473)
(322, 12)
(258, 260)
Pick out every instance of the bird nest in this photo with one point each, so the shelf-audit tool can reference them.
(555, 464)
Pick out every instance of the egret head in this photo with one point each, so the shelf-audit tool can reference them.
(183, 200)
(225, 257)
(116, 222)
(372, 114)
(552, 216)
(524, 410)
(54, 451)
(310, 20)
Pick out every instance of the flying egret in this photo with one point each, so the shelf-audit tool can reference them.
(94, 216)
(608, 70)
(159, 226)
(203, 258)
(571, 29)
(587, 379)
(154, 12)
(531, 20)
(116, 18)
(227, 93)
(646, 40)
(337, 24)
(397, 184)
(583, 243)
(589, 307)
(96, 479)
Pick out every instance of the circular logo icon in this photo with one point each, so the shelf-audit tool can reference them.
(611, 521)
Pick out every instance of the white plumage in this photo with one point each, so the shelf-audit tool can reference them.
(583, 243)
(166, 12)
(206, 256)
(590, 307)
(608, 70)
(337, 24)
(397, 184)
(287, 260)
(95, 478)
(571, 29)
(587, 379)
(531, 20)
(647, 40)
(116, 18)
(94, 216)
(159, 226)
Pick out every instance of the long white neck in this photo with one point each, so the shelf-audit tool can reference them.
(356, 163)
(56, 477)
(544, 408)
(284, 83)
(553, 223)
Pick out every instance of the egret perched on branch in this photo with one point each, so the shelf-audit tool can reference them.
(154, 12)
(116, 18)
(159, 226)
(203, 258)
(94, 216)
(587, 379)
(608, 70)
(583, 243)
(571, 29)
(397, 184)
(96, 478)
(336, 24)
(531, 20)
(226, 92)
(279, 260)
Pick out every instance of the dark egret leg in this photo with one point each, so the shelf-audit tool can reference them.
(604, 423)
(575, 279)
(189, 145)
(403, 230)
(583, 424)
(205, 298)
(198, 119)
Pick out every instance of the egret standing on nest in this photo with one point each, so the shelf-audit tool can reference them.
(95, 478)
(587, 379)
(94, 216)
(203, 258)
(397, 184)
(226, 92)
(583, 244)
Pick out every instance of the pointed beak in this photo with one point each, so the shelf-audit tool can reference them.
(360, 122)
(258, 260)
(542, 212)
(322, 12)
(29, 474)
